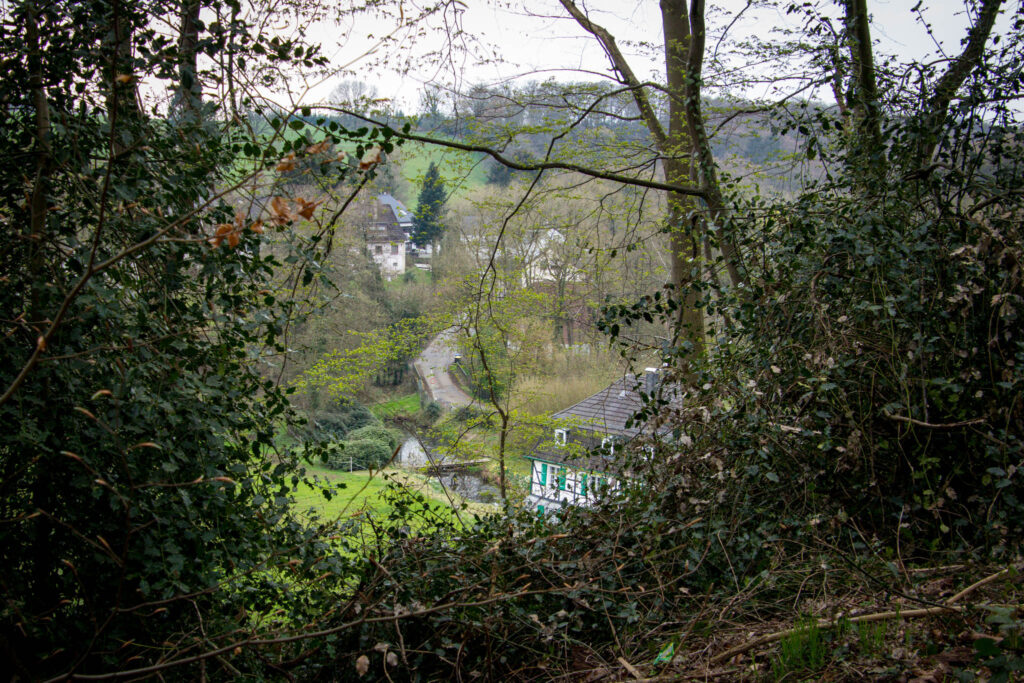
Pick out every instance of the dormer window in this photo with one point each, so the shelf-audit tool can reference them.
(561, 436)
(609, 443)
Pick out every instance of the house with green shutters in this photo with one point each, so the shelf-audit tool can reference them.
(581, 463)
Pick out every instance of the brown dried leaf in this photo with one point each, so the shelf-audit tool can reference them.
(287, 163)
(279, 206)
(362, 665)
(371, 158)
(306, 208)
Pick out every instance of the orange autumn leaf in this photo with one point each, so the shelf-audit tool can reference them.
(257, 227)
(233, 239)
(306, 208)
(215, 241)
(282, 212)
(223, 229)
(124, 78)
(319, 148)
(287, 163)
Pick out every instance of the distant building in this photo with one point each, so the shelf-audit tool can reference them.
(586, 457)
(383, 220)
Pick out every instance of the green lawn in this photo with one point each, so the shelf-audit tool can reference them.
(357, 493)
(403, 405)
(462, 171)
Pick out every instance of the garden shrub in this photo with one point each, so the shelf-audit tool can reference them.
(376, 432)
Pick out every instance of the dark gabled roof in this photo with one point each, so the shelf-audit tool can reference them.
(402, 214)
(389, 233)
(609, 410)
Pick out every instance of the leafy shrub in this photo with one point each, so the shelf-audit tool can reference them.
(361, 454)
(433, 411)
(376, 432)
(345, 417)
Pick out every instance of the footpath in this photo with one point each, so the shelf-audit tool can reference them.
(432, 372)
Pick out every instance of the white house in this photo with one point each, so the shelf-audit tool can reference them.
(381, 222)
(583, 462)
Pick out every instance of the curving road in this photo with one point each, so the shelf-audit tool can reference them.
(432, 367)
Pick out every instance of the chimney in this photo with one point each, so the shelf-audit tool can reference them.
(652, 376)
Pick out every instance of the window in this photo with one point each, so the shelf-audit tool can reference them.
(394, 249)
(561, 436)
(378, 249)
(609, 443)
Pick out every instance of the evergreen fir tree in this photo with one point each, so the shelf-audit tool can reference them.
(427, 222)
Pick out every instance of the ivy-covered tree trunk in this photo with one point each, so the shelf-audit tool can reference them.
(685, 155)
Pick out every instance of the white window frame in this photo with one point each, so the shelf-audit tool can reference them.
(562, 436)
(609, 441)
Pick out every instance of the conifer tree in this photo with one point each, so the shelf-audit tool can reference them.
(427, 222)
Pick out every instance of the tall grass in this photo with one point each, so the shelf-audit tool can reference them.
(567, 377)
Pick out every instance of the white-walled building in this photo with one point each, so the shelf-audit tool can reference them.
(382, 224)
(585, 458)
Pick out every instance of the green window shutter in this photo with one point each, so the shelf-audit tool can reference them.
(583, 485)
(543, 474)
(561, 479)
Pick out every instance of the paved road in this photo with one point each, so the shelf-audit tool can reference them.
(432, 366)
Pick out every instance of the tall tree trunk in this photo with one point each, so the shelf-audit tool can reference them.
(122, 93)
(680, 169)
(707, 170)
(934, 114)
(190, 92)
(684, 148)
(40, 189)
(45, 596)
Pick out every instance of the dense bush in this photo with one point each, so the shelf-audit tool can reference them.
(342, 419)
(432, 412)
(356, 439)
(392, 438)
(360, 454)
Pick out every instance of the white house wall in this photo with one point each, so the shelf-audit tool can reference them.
(390, 261)
(580, 487)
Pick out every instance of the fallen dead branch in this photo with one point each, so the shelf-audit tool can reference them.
(950, 606)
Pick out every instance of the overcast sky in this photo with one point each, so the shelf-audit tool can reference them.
(534, 40)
